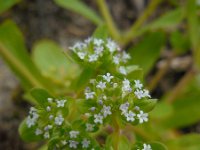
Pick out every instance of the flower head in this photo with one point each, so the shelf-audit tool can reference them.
(143, 117)
(74, 134)
(108, 77)
(59, 120)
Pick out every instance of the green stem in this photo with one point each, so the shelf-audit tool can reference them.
(130, 34)
(20, 67)
(117, 133)
(182, 84)
(108, 19)
(159, 74)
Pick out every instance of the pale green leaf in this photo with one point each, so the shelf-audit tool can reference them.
(6, 4)
(79, 7)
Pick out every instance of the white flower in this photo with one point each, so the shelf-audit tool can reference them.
(74, 134)
(92, 108)
(100, 102)
(99, 50)
(139, 94)
(126, 88)
(136, 108)
(138, 84)
(116, 60)
(64, 142)
(61, 103)
(85, 143)
(122, 70)
(98, 118)
(35, 116)
(115, 85)
(146, 93)
(89, 95)
(125, 56)
(106, 110)
(108, 77)
(46, 135)
(88, 40)
(32, 111)
(51, 117)
(143, 117)
(93, 57)
(130, 116)
(112, 46)
(73, 144)
(48, 127)
(59, 120)
(146, 147)
(30, 122)
(38, 132)
(98, 42)
(198, 2)
(81, 55)
(101, 85)
(89, 127)
(124, 107)
(48, 108)
(50, 100)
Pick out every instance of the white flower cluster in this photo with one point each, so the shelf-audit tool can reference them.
(54, 115)
(32, 118)
(131, 115)
(93, 49)
(75, 141)
(146, 147)
(139, 92)
(104, 101)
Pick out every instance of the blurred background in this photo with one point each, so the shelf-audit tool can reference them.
(171, 69)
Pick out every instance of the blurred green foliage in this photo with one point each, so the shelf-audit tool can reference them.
(49, 68)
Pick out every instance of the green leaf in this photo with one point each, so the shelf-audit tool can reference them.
(28, 134)
(186, 106)
(158, 146)
(194, 29)
(179, 42)
(162, 111)
(154, 146)
(84, 78)
(116, 141)
(147, 51)
(6, 4)
(146, 104)
(52, 62)
(185, 142)
(13, 51)
(168, 21)
(41, 96)
(79, 7)
(101, 32)
(134, 72)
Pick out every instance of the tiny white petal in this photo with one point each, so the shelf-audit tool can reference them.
(123, 70)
